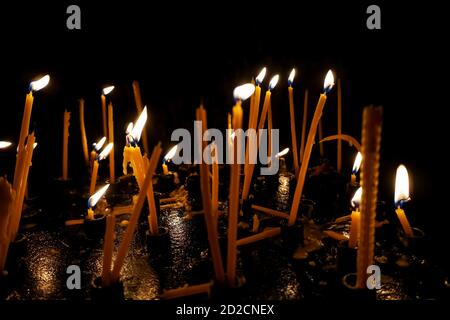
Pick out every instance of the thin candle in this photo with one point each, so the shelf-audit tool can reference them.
(94, 199)
(139, 107)
(401, 196)
(108, 244)
(305, 118)
(100, 157)
(328, 85)
(339, 126)
(356, 165)
(169, 155)
(355, 216)
(65, 155)
(83, 132)
(6, 206)
(371, 139)
(292, 116)
(112, 169)
(105, 92)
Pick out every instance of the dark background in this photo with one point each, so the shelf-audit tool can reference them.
(182, 53)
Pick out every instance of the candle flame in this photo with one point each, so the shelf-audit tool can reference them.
(282, 153)
(328, 83)
(259, 79)
(107, 90)
(129, 128)
(99, 144)
(357, 163)
(139, 126)
(356, 200)
(97, 196)
(171, 153)
(401, 185)
(105, 151)
(291, 77)
(35, 145)
(244, 91)
(5, 144)
(273, 82)
(39, 84)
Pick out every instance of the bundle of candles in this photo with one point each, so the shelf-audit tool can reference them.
(241, 183)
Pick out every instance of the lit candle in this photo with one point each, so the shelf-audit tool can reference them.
(112, 169)
(240, 93)
(273, 82)
(401, 196)
(292, 114)
(108, 244)
(93, 200)
(355, 216)
(83, 132)
(211, 224)
(105, 92)
(356, 165)
(126, 240)
(339, 126)
(97, 146)
(283, 152)
(100, 157)
(139, 106)
(328, 84)
(253, 121)
(5, 144)
(371, 138)
(305, 118)
(167, 158)
(65, 157)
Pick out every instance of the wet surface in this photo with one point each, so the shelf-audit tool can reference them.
(266, 269)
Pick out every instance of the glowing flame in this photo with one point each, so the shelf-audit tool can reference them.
(259, 79)
(129, 128)
(244, 91)
(357, 163)
(282, 153)
(233, 135)
(5, 144)
(41, 83)
(139, 126)
(105, 151)
(99, 144)
(97, 196)
(35, 145)
(108, 90)
(356, 200)
(291, 77)
(328, 84)
(171, 153)
(401, 185)
(273, 82)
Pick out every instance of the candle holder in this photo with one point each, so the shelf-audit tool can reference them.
(416, 244)
(165, 183)
(194, 192)
(292, 237)
(114, 292)
(95, 228)
(350, 293)
(158, 245)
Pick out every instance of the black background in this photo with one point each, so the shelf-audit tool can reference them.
(184, 52)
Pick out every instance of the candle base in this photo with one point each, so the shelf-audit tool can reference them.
(345, 259)
(417, 244)
(158, 245)
(349, 292)
(95, 228)
(114, 292)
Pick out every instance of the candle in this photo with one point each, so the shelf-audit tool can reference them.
(229, 139)
(100, 157)
(253, 121)
(65, 157)
(126, 240)
(371, 138)
(169, 155)
(328, 84)
(83, 132)
(215, 182)
(112, 170)
(108, 244)
(345, 137)
(24, 158)
(93, 200)
(267, 233)
(271, 212)
(105, 92)
(96, 148)
(211, 223)
(401, 196)
(355, 216)
(255, 223)
(305, 118)
(139, 106)
(187, 291)
(132, 154)
(320, 138)
(6, 205)
(356, 165)
(240, 93)
(339, 126)
(5, 144)
(251, 167)
(292, 115)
